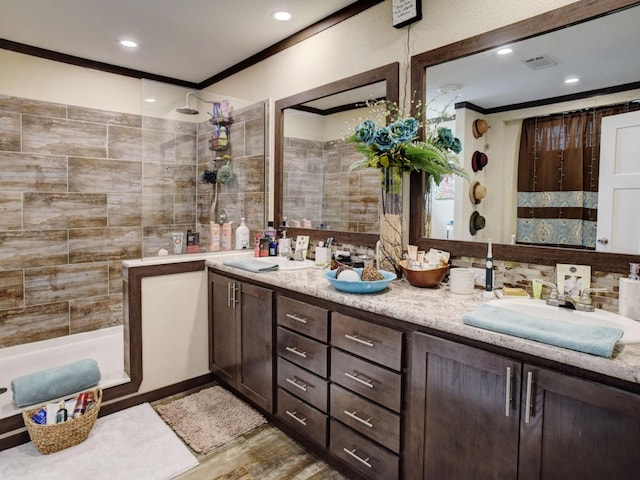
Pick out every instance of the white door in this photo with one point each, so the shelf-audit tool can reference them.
(618, 227)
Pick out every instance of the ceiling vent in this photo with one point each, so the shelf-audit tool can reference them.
(540, 62)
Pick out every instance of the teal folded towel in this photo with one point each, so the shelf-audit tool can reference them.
(251, 265)
(40, 387)
(591, 339)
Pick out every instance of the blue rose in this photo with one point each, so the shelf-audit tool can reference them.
(403, 131)
(445, 137)
(384, 139)
(457, 146)
(366, 132)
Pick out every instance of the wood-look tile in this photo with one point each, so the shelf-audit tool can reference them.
(254, 140)
(256, 110)
(115, 278)
(157, 237)
(107, 117)
(249, 174)
(64, 210)
(332, 162)
(158, 146)
(305, 184)
(363, 208)
(32, 172)
(63, 137)
(162, 178)
(184, 208)
(93, 313)
(124, 209)
(124, 143)
(295, 160)
(185, 149)
(104, 244)
(10, 211)
(94, 175)
(32, 324)
(157, 210)
(33, 107)
(11, 289)
(10, 131)
(27, 249)
(65, 282)
(168, 125)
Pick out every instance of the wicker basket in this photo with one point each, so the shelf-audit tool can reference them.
(53, 438)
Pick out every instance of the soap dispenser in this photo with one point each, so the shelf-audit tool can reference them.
(629, 293)
(242, 235)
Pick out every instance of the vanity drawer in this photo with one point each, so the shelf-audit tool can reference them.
(304, 318)
(304, 418)
(305, 385)
(379, 344)
(303, 351)
(367, 379)
(361, 454)
(366, 417)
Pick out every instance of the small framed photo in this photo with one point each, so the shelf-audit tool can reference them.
(573, 279)
(405, 12)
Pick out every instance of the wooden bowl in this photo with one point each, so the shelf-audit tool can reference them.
(423, 278)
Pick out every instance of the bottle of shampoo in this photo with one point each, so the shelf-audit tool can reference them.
(214, 237)
(225, 242)
(489, 272)
(242, 235)
(270, 231)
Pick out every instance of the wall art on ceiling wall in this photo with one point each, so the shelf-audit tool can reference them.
(405, 12)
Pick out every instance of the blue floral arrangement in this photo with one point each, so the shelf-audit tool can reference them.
(397, 145)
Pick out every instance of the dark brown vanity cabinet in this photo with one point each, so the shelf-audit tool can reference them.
(302, 333)
(241, 338)
(366, 396)
(475, 414)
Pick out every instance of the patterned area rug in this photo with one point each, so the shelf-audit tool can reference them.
(210, 418)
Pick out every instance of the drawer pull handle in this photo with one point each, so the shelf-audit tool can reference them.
(357, 339)
(295, 351)
(352, 453)
(296, 318)
(355, 376)
(508, 397)
(295, 381)
(294, 415)
(528, 404)
(355, 416)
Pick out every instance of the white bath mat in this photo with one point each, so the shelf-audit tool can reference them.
(132, 443)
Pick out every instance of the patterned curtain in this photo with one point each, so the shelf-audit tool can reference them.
(558, 177)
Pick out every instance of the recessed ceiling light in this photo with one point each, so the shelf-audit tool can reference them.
(128, 43)
(504, 51)
(150, 100)
(282, 16)
(572, 80)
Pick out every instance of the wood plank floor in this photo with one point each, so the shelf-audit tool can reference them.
(262, 454)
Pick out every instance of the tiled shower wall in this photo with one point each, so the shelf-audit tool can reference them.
(83, 189)
(319, 187)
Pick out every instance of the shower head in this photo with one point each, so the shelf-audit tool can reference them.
(187, 110)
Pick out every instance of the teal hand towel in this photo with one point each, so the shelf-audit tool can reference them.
(251, 265)
(45, 385)
(591, 339)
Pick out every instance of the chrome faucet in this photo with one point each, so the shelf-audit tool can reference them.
(559, 299)
(585, 304)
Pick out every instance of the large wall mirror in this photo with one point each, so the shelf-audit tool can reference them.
(314, 192)
(593, 41)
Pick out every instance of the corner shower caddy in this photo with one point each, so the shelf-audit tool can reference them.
(221, 120)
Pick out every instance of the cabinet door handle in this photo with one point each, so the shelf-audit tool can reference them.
(355, 416)
(352, 453)
(295, 351)
(508, 397)
(357, 339)
(528, 403)
(294, 415)
(229, 294)
(295, 381)
(296, 318)
(355, 376)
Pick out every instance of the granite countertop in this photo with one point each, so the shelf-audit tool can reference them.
(441, 310)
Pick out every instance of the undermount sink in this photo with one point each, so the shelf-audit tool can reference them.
(602, 318)
(285, 264)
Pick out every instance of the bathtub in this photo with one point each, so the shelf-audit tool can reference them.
(105, 346)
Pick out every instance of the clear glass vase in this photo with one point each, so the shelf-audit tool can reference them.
(391, 219)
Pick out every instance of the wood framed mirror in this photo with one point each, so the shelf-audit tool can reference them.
(385, 79)
(555, 20)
